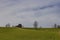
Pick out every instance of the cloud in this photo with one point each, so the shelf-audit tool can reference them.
(46, 12)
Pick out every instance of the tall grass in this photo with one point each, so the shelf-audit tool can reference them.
(29, 34)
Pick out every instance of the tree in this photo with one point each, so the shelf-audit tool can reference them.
(40, 26)
(35, 24)
(8, 25)
(58, 26)
(55, 25)
(19, 25)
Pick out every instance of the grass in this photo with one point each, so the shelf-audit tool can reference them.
(29, 34)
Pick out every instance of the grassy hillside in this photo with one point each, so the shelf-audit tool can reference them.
(29, 34)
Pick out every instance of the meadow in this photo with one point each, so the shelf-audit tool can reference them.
(29, 34)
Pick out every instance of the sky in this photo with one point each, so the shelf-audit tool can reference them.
(25, 12)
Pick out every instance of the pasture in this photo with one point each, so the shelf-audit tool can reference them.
(29, 34)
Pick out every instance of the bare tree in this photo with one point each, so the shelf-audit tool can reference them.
(8, 25)
(35, 24)
(40, 26)
(55, 25)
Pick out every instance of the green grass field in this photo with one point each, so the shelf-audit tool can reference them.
(29, 34)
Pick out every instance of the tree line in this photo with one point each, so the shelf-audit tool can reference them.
(35, 24)
(56, 26)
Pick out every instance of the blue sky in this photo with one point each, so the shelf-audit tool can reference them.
(46, 12)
